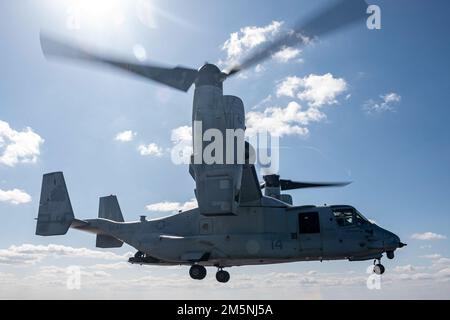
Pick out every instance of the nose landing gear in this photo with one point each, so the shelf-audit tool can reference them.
(197, 272)
(378, 268)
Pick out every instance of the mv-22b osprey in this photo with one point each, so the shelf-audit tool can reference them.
(234, 224)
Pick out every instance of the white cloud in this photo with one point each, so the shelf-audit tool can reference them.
(172, 206)
(125, 136)
(151, 149)
(286, 54)
(18, 146)
(111, 266)
(14, 196)
(30, 254)
(248, 38)
(321, 90)
(441, 262)
(174, 283)
(428, 236)
(182, 134)
(182, 145)
(391, 97)
(386, 104)
(317, 90)
(406, 268)
(7, 279)
(416, 276)
(289, 86)
(432, 256)
(291, 120)
(260, 68)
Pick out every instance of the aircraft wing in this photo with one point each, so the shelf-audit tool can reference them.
(250, 188)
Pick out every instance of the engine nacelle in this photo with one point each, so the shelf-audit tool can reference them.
(218, 185)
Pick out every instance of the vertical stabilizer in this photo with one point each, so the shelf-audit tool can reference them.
(109, 208)
(55, 211)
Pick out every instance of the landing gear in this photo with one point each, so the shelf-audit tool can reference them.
(197, 272)
(139, 255)
(378, 268)
(222, 276)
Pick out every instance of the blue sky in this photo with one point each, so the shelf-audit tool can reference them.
(385, 129)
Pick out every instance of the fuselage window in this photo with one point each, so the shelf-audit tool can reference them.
(309, 222)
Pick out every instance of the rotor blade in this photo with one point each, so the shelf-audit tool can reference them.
(179, 78)
(291, 185)
(332, 18)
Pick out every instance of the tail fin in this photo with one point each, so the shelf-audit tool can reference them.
(109, 209)
(55, 211)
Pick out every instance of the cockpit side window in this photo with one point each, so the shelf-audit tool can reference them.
(348, 216)
(344, 217)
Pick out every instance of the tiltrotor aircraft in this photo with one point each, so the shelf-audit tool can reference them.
(234, 224)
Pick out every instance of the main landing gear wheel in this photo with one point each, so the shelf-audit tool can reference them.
(378, 269)
(197, 272)
(222, 276)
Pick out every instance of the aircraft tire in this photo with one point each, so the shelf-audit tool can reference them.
(197, 272)
(222, 276)
(378, 269)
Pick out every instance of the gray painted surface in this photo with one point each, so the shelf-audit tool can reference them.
(263, 233)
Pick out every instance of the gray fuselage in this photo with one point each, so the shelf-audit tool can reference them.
(271, 233)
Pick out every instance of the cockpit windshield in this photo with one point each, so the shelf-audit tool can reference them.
(347, 216)
(360, 217)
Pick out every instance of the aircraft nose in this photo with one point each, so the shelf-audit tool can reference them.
(394, 240)
(391, 240)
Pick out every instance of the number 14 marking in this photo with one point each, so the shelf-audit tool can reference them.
(277, 244)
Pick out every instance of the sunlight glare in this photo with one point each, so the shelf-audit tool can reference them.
(96, 12)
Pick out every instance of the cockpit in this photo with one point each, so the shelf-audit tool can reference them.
(348, 216)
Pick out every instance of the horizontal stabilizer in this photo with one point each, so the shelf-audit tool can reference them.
(55, 211)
